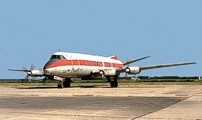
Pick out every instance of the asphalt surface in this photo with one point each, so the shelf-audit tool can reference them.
(137, 102)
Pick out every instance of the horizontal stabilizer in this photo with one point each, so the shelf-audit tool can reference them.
(132, 61)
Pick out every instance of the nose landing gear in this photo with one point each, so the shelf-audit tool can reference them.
(60, 85)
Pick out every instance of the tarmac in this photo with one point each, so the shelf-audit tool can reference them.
(140, 102)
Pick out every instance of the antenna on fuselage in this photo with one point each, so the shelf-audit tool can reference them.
(59, 50)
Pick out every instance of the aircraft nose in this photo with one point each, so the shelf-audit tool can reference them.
(49, 64)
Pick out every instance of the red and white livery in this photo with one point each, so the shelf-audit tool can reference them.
(70, 65)
(63, 66)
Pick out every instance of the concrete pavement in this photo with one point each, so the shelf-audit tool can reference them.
(142, 102)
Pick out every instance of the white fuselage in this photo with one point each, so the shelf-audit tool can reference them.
(76, 65)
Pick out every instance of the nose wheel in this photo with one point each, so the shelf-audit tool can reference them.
(60, 85)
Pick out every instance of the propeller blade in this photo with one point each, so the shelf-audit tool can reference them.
(32, 67)
(24, 68)
(27, 77)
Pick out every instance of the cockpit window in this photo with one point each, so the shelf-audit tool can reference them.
(60, 57)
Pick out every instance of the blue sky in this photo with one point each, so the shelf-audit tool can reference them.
(169, 31)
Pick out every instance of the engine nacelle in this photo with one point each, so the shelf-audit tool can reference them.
(133, 70)
(36, 73)
(110, 73)
(96, 71)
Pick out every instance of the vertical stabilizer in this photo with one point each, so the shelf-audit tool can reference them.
(114, 57)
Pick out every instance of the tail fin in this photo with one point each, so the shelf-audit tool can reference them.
(114, 57)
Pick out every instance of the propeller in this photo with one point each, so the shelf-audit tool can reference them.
(32, 72)
(128, 65)
(32, 67)
(129, 62)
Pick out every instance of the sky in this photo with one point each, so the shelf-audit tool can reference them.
(167, 30)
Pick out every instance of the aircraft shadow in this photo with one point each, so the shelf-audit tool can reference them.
(48, 87)
(54, 87)
(91, 86)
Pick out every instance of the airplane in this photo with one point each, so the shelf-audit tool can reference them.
(63, 66)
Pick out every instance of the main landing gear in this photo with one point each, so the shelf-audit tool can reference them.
(114, 82)
(66, 83)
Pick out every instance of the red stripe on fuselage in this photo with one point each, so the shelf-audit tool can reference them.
(84, 63)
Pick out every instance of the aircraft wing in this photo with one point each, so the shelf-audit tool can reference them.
(165, 65)
(19, 70)
(137, 69)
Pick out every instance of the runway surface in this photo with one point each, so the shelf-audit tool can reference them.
(137, 102)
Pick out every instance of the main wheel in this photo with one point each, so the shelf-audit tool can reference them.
(67, 83)
(115, 84)
(112, 83)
